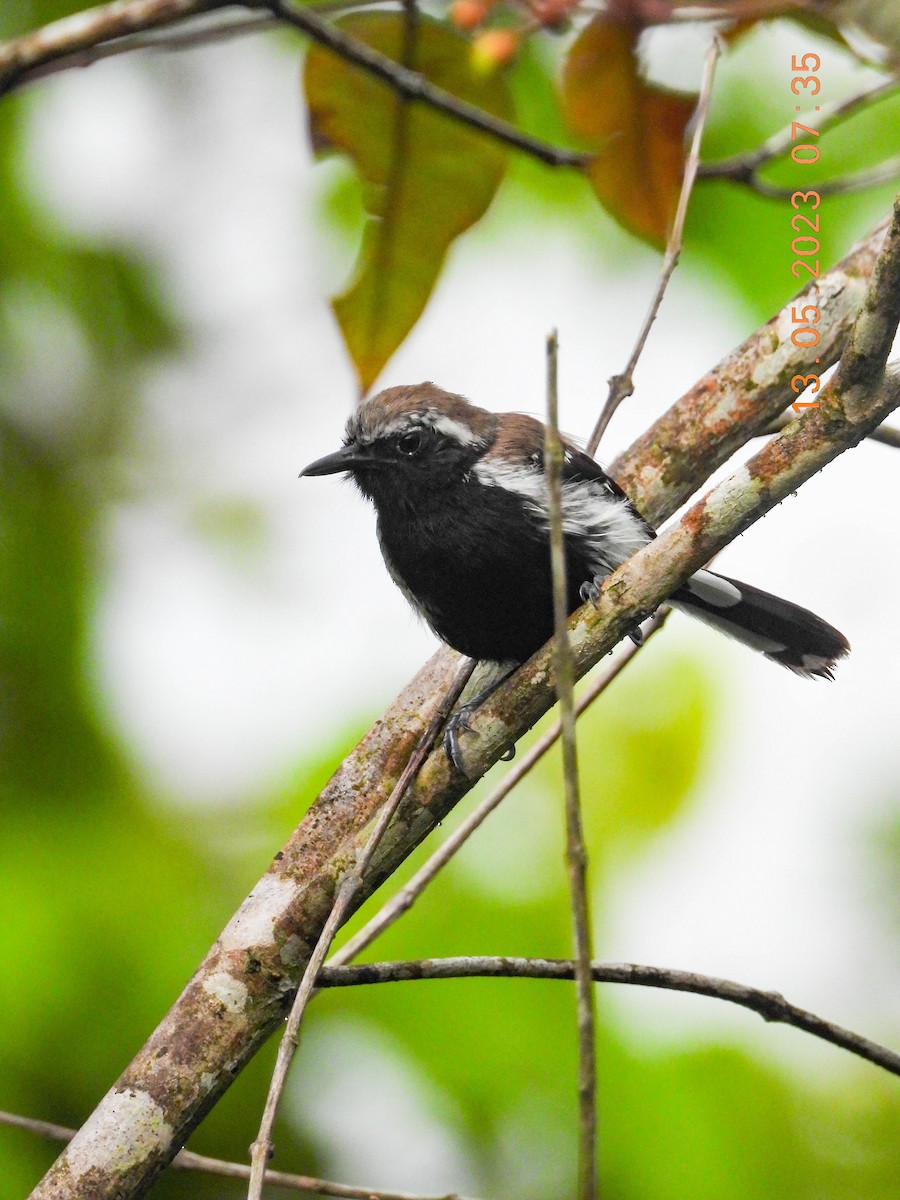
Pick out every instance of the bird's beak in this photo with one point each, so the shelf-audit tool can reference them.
(345, 459)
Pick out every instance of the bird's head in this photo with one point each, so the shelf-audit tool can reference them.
(410, 440)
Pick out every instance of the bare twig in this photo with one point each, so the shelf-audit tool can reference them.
(653, 13)
(192, 36)
(349, 886)
(843, 185)
(771, 1006)
(407, 896)
(576, 853)
(622, 385)
(186, 1160)
(740, 10)
(744, 168)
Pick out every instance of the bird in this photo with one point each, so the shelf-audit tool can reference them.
(462, 507)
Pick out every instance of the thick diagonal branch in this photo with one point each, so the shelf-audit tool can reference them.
(241, 990)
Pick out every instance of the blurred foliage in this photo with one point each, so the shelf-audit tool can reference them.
(110, 899)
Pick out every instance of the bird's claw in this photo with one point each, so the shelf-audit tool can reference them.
(589, 590)
(459, 720)
(637, 635)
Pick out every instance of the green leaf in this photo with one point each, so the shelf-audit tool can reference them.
(426, 178)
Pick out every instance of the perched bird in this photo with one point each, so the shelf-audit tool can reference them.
(462, 506)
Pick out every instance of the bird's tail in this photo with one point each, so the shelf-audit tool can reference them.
(784, 632)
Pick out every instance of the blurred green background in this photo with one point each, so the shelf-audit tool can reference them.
(113, 888)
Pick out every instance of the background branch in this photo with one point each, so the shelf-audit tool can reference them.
(744, 168)
(771, 1006)
(186, 1160)
(843, 185)
(69, 40)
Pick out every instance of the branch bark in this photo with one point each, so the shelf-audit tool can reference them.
(750, 387)
(242, 989)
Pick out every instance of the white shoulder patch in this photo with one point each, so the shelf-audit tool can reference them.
(606, 522)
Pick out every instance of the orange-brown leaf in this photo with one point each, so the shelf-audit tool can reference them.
(638, 129)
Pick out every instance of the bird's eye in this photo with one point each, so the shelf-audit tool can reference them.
(410, 443)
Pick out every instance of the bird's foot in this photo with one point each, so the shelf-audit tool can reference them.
(458, 721)
(590, 590)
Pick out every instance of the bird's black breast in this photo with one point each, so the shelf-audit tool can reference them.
(476, 562)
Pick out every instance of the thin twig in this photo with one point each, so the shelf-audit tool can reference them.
(771, 1006)
(739, 10)
(743, 168)
(576, 853)
(407, 896)
(843, 185)
(621, 386)
(349, 886)
(186, 1160)
(730, 10)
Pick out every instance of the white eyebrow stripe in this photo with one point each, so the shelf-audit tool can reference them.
(432, 419)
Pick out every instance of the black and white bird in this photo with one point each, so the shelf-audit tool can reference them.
(462, 505)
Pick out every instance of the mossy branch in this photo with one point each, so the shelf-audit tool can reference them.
(243, 988)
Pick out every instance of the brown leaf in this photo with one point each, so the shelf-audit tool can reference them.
(637, 128)
(426, 177)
